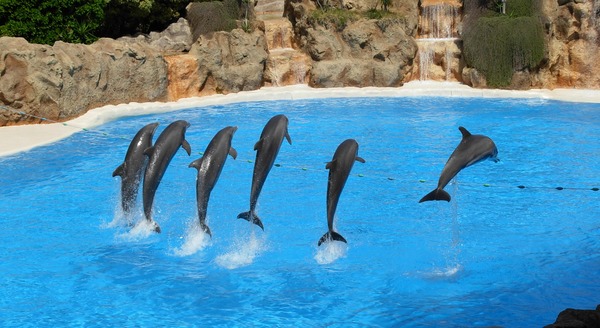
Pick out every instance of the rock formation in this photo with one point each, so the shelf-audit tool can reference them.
(363, 53)
(64, 80)
(573, 32)
(571, 318)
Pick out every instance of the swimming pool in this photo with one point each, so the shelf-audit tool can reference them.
(496, 254)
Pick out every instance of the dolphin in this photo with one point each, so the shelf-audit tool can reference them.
(339, 170)
(160, 155)
(471, 149)
(267, 149)
(209, 168)
(134, 164)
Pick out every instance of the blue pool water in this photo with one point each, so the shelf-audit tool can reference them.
(495, 255)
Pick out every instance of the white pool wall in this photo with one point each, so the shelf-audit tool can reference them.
(15, 139)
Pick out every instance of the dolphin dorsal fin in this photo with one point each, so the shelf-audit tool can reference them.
(233, 152)
(119, 170)
(359, 159)
(464, 132)
(187, 147)
(197, 163)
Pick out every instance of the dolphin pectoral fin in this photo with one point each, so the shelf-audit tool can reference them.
(259, 143)
(251, 217)
(330, 165)
(359, 159)
(119, 170)
(187, 147)
(196, 164)
(464, 132)
(287, 136)
(331, 235)
(436, 194)
(148, 151)
(233, 152)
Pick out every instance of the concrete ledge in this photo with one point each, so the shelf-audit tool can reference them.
(14, 139)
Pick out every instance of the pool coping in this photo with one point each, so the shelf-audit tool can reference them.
(19, 138)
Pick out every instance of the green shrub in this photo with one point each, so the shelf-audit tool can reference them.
(206, 17)
(498, 46)
(130, 17)
(333, 17)
(520, 8)
(46, 21)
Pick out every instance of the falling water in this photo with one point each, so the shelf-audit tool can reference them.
(437, 38)
(439, 21)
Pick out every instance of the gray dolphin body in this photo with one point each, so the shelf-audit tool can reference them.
(160, 155)
(339, 170)
(134, 164)
(471, 149)
(209, 168)
(267, 149)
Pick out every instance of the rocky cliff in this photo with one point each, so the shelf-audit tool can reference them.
(63, 81)
(573, 38)
(365, 52)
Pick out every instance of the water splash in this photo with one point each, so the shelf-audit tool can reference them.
(195, 240)
(243, 251)
(142, 230)
(448, 272)
(330, 251)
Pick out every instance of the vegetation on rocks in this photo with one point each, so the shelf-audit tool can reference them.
(84, 21)
(497, 45)
(46, 21)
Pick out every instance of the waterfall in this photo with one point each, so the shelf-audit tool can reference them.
(438, 40)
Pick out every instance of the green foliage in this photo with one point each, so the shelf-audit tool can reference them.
(130, 17)
(46, 21)
(520, 8)
(497, 46)
(206, 17)
(333, 17)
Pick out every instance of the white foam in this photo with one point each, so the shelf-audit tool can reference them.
(330, 251)
(243, 251)
(142, 230)
(194, 240)
(444, 273)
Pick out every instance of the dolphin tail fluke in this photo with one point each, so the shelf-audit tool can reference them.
(155, 226)
(250, 216)
(436, 194)
(331, 235)
(205, 228)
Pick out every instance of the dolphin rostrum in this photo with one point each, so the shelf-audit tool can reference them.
(471, 149)
(160, 155)
(339, 170)
(267, 149)
(209, 168)
(133, 166)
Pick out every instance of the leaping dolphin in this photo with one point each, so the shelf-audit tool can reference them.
(132, 167)
(267, 149)
(209, 168)
(160, 155)
(339, 170)
(471, 149)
